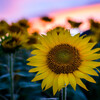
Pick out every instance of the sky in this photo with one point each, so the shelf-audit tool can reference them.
(13, 10)
(60, 10)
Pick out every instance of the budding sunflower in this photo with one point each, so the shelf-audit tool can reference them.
(12, 42)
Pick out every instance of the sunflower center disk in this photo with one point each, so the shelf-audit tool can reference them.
(62, 56)
(63, 59)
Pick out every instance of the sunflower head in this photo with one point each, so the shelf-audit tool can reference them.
(57, 30)
(32, 39)
(94, 24)
(16, 28)
(3, 31)
(3, 23)
(95, 29)
(63, 59)
(46, 19)
(74, 24)
(12, 42)
(3, 28)
(23, 23)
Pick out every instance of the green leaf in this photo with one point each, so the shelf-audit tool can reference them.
(24, 74)
(3, 65)
(5, 76)
(4, 86)
(28, 84)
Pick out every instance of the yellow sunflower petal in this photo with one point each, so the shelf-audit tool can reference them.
(75, 38)
(66, 79)
(72, 80)
(92, 64)
(87, 48)
(82, 42)
(36, 63)
(80, 83)
(91, 52)
(91, 45)
(88, 70)
(40, 47)
(37, 59)
(44, 42)
(42, 70)
(48, 81)
(41, 76)
(55, 84)
(51, 40)
(62, 36)
(91, 57)
(84, 76)
(55, 37)
(43, 84)
(33, 58)
(67, 38)
(67, 33)
(33, 70)
(37, 52)
(61, 82)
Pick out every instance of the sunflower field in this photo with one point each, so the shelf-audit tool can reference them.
(52, 66)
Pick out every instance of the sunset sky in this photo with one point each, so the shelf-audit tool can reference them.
(60, 10)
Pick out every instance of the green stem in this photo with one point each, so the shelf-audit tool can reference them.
(64, 94)
(11, 77)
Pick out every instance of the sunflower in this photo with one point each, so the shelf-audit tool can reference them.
(3, 31)
(3, 23)
(32, 39)
(23, 23)
(46, 19)
(11, 43)
(16, 28)
(74, 24)
(95, 29)
(57, 29)
(3, 28)
(64, 59)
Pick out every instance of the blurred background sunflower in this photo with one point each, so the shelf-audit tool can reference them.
(12, 42)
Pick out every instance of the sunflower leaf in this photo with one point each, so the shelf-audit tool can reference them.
(23, 74)
(28, 84)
